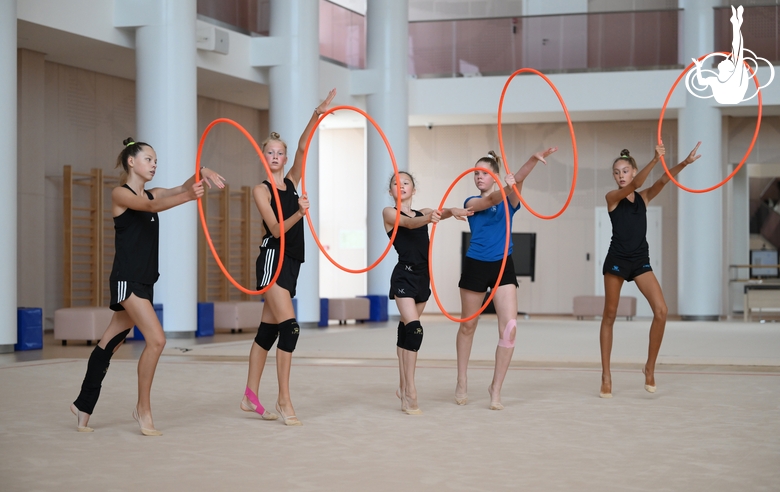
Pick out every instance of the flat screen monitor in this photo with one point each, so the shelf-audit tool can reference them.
(763, 257)
(523, 252)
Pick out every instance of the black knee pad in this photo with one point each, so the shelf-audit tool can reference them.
(266, 335)
(413, 336)
(288, 335)
(97, 366)
(114, 342)
(401, 335)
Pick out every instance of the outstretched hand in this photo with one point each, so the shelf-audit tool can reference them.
(541, 155)
(462, 213)
(324, 104)
(208, 176)
(693, 155)
(510, 180)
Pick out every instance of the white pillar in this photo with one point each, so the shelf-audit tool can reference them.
(386, 53)
(166, 102)
(294, 95)
(700, 216)
(8, 131)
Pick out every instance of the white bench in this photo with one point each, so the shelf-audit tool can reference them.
(237, 315)
(81, 323)
(594, 306)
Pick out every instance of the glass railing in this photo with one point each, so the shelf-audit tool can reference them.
(760, 31)
(552, 43)
(245, 16)
(342, 35)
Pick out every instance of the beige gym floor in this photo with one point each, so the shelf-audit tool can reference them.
(713, 424)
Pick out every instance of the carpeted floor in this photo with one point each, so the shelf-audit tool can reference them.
(713, 425)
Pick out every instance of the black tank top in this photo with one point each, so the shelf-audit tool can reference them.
(293, 239)
(412, 245)
(136, 244)
(629, 229)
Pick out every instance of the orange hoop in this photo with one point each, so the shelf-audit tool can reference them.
(752, 142)
(503, 262)
(276, 196)
(397, 184)
(571, 132)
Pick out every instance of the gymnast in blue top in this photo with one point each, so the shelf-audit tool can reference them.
(482, 265)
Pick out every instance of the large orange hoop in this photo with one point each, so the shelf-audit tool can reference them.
(276, 196)
(506, 247)
(749, 150)
(571, 132)
(397, 184)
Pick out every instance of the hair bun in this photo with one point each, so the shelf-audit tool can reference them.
(625, 153)
(275, 136)
(128, 141)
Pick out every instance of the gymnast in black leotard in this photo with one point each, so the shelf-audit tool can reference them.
(628, 258)
(410, 283)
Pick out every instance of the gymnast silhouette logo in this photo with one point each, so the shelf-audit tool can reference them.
(729, 85)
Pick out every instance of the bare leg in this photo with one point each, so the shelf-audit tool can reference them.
(142, 313)
(649, 287)
(401, 392)
(470, 303)
(612, 286)
(257, 359)
(505, 302)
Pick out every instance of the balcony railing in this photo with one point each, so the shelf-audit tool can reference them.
(760, 31)
(246, 16)
(342, 35)
(553, 43)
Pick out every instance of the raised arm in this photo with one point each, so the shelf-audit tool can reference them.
(484, 203)
(614, 196)
(656, 188)
(523, 173)
(122, 199)
(262, 198)
(294, 174)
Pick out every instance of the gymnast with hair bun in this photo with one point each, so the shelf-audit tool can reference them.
(133, 276)
(628, 258)
(481, 267)
(278, 318)
(410, 282)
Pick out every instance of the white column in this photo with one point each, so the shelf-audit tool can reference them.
(293, 97)
(8, 134)
(166, 102)
(386, 53)
(700, 216)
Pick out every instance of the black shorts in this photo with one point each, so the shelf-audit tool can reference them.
(479, 276)
(410, 281)
(121, 290)
(627, 269)
(268, 261)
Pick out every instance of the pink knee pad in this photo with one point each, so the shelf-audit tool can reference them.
(505, 340)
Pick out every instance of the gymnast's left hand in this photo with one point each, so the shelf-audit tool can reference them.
(208, 176)
(541, 155)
